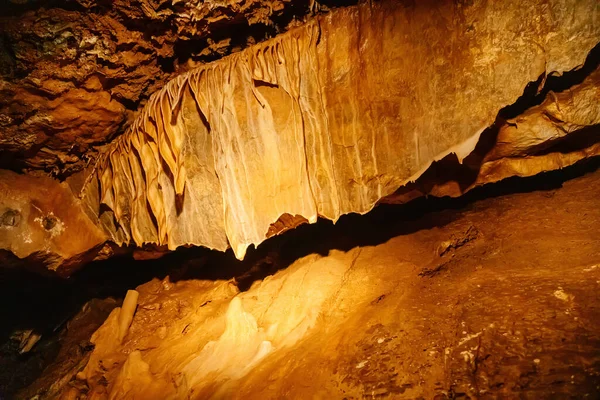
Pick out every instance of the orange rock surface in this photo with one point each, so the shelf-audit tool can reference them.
(447, 303)
(330, 117)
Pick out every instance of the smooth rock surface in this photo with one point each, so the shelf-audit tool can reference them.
(328, 118)
(42, 222)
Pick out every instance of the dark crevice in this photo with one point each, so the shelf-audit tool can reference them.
(10, 8)
(8, 60)
(45, 303)
(574, 141)
(533, 95)
(38, 293)
(206, 49)
(202, 117)
(560, 83)
(166, 64)
(203, 49)
(129, 104)
(259, 83)
(466, 173)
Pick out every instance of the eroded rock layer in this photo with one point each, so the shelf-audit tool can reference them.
(328, 118)
(560, 131)
(447, 305)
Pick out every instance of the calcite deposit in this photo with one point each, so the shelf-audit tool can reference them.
(332, 116)
(378, 102)
(73, 73)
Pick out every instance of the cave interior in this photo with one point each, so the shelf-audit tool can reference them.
(299, 199)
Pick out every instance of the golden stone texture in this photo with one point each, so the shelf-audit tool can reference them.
(328, 118)
(72, 74)
(42, 222)
(507, 309)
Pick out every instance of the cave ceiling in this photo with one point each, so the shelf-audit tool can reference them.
(221, 125)
(74, 73)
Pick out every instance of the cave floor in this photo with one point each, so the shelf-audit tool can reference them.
(498, 298)
(511, 308)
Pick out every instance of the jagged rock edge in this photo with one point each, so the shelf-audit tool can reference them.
(167, 102)
(171, 93)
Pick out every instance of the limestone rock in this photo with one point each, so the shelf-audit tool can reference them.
(562, 130)
(329, 118)
(73, 73)
(510, 310)
(41, 221)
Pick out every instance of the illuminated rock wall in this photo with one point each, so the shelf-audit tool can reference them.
(326, 119)
(43, 225)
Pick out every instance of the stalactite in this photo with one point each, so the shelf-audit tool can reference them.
(325, 119)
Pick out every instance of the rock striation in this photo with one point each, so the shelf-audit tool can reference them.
(379, 102)
(73, 74)
(498, 300)
(332, 116)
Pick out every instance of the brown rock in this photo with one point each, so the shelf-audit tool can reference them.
(124, 50)
(516, 316)
(43, 223)
(328, 118)
(561, 131)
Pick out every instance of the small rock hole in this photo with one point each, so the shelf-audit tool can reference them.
(49, 222)
(10, 218)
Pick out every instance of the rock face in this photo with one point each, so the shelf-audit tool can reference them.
(73, 73)
(41, 221)
(330, 117)
(327, 119)
(418, 309)
(562, 130)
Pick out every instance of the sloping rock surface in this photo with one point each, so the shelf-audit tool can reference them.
(497, 299)
(330, 117)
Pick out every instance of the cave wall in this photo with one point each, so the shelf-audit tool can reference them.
(74, 73)
(495, 298)
(379, 102)
(328, 118)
